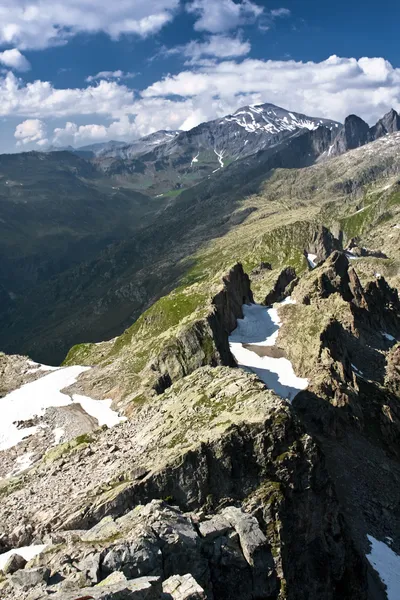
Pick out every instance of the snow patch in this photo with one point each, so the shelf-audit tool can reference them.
(220, 156)
(22, 463)
(39, 367)
(32, 399)
(195, 159)
(100, 410)
(58, 435)
(387, 564)
(260, 327)
(350, 255)
(311, 260)
(27, 552)
(357, 371)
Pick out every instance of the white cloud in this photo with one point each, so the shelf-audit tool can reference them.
(110, 75)
(331, 88)
(40, 99)
(217, 16)
(14, 60)
(43, 23)
(217, 46)
(31, 131)
(280, 12)
(75, 135)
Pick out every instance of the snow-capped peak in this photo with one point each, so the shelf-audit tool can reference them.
(268, 118)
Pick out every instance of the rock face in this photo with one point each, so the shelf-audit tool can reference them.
(206, 341)
(283, 287)
(356, 132)
(183, 587)
(322, 243)
(388, 124)
(347, 332)
(353, 135)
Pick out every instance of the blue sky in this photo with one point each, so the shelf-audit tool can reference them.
(84, 71)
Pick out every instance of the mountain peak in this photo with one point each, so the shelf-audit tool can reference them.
(272, 119)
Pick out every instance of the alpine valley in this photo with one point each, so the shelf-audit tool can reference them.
(200, 376)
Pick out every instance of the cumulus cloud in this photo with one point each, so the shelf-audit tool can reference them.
(31, 131)
(40, 99)
(14, 60)
(331, 88)
(43, 23)
(75, 135)
(110, 75)
(223, 15)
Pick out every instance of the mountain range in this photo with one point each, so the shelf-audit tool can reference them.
(200, 366)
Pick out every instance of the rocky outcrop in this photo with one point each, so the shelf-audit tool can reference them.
(243, 472)
(332, 277)
(353, 135)
(283, 286)
(356, 132)
(205, 342)
(322, 243)
(14, 563)
(388, 124)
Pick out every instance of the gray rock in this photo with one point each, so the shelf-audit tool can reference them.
(14, 563)
(252, 539)
(183, 587)
(28, 578)
(286, 277)
(90, 567)
(214, 527)
(143, 588)
(134, 559)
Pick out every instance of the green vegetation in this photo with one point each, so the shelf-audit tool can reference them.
(77, 444)
(9, 486)
(78, 355)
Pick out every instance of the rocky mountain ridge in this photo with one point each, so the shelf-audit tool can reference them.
(239, 467)
(356, 132)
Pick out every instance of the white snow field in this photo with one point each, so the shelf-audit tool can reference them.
(27, 552)
(32, 399)
(387, 564)
(260, 327)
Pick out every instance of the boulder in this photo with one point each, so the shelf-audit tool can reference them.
(14, 564)
(25, 579)
(183, 587)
